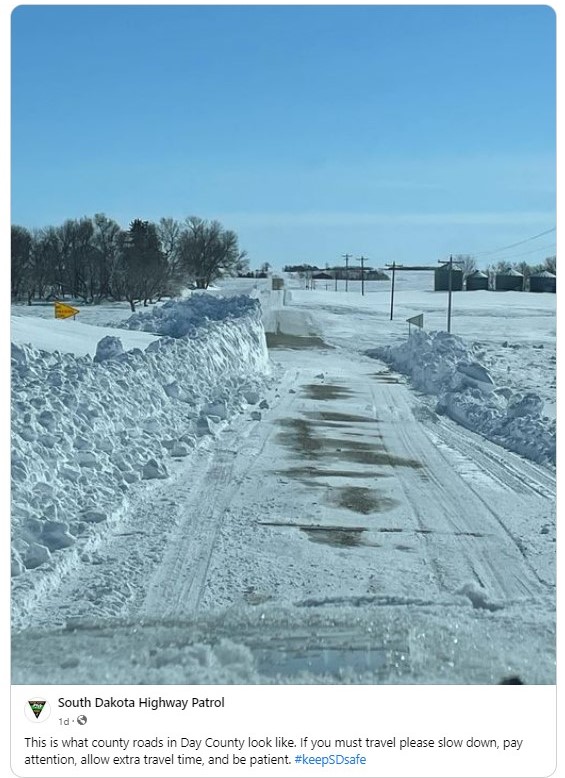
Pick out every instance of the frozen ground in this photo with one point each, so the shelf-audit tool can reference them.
(307, 519)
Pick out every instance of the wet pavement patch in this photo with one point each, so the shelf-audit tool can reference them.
(378, 458)
(455, 533)
(334, 536)
(336, 416)
(362, 500)
(340, 536)
(326, 391)
(386, 378)
(312, 471)
(338, 444)
(299, 435)
(283, 340)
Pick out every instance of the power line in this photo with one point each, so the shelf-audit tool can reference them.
(511, 245)
(548, 246)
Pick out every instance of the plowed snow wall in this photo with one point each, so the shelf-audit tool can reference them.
(84, 431)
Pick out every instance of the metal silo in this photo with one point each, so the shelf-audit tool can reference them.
(543, 282)
(441, 279)
(477, 280)
(510, 281)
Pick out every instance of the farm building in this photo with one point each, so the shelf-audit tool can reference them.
(441, 279)
(510, 281)
(543, 282)
(477, 280)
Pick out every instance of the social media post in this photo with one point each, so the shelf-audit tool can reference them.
(283, 390)
(283, 731)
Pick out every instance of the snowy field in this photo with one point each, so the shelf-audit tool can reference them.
(332, 502)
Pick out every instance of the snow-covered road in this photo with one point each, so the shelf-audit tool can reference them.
(350, 534)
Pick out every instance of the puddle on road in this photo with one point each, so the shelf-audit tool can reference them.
(362, 500)
(282, 340)
(326, 391)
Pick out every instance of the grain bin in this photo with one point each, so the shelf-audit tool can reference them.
(543, 282)
(477, 280)
(441, 279)
(510, 281)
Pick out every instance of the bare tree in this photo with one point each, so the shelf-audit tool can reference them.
(21, 259)
(550, 263)
(523, 268)
(502, 266)
(45, 257)
(106, 242)
(94, 259)
(467, 263)
(169, 232)
(208, 251)
(141, 271)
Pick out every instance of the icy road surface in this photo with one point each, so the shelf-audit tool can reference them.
(350, 535)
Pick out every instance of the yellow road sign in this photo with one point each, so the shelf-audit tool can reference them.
(63, 311)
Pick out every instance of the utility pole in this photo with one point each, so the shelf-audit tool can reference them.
(392, 291)
(362, 260)
(449, 290)
(395, 267)
(346, 270)
(450, 286)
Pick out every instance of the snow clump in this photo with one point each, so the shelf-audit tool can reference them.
(441, 364)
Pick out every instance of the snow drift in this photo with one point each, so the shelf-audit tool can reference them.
(177, 318)
(442, 364)
(84, 430)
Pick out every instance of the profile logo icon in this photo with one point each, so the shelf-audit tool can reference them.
(37, 710)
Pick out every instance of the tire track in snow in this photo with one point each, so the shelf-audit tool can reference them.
(501, 569)
(517, 476)
(177, 587)
(507, 468)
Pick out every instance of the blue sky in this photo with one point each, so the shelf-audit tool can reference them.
(399, 132)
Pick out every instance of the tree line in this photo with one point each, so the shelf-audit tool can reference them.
(94, 259)
(468, 264)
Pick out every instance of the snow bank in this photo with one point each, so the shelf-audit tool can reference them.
(177, 318)
(84, 430)
(442, 364)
